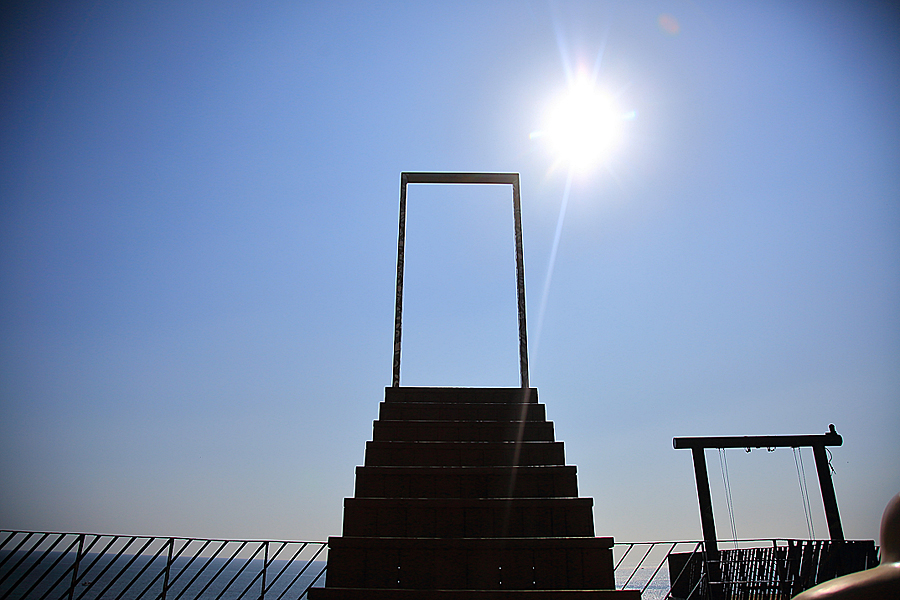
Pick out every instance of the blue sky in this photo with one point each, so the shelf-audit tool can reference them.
(198, 245)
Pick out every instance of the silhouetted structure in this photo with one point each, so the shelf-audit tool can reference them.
(697, 446)
(775, 573)
(882, 581)
(465, 492)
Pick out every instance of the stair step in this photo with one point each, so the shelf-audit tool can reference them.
(475, 454)
(397, 594)
(463, 431)
(466, 482)
(471, 564)
(465, 494)
(449, 394)
(488, 544)
(462, 411)
(468, 518)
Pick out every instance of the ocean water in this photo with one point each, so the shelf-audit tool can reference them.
(203, 578)
(655, 589)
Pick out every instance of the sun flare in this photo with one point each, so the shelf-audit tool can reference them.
(583, 125)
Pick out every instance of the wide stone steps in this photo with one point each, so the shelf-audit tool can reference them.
(469, 518)
(465, 494)
(480, 564)
(452, 395)
(462, 431)
(457, 454)
(461, 411)
(336, 593)
(466, 482)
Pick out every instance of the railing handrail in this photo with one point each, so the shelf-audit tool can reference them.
(44, 565)
(792, 565)
(48, 564)
(160, 537)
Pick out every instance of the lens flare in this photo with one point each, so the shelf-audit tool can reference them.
(584, 125)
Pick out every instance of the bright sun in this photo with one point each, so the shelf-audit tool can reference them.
(583, 125)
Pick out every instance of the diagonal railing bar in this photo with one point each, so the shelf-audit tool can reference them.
(696, 587)
(313, 582)
(125, 568)
(164, 573)
(624, 556)
(285, 567)
(219, 572)
(238, 574)
(303, 570)
(148, 564)
(658, 567)
(11, 535)
(7, 538)
(27, 552)
(37, 562)
(184, 569)
(79, 566)
(75, 566)
(636, 568)
(13, 552)
(79, 539)
(34, 565)
(258, 576)
(684, 568)
(96, 540)
(89, 584)
(203, 568)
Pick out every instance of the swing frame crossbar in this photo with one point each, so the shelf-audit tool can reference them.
(698, 445)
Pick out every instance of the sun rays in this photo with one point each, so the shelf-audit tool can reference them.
(583, 125)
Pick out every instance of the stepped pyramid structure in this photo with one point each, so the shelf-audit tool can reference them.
(465, 493)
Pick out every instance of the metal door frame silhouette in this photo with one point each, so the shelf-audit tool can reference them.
(450, 178)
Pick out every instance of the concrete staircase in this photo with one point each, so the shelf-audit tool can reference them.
(465, 495)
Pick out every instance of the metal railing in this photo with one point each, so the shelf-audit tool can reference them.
(86, 566)
(753, 569)
(644, 566)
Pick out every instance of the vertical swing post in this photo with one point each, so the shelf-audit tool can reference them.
(707, 523)
(828, 497)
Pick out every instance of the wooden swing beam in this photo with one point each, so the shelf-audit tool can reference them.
(698, 445)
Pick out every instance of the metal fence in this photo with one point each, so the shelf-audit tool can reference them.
(644, 566)
(770, 569)
(85, 566)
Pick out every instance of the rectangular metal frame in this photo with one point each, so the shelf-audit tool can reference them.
(449, 178)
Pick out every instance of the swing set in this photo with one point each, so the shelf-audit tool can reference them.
(779, 571)
(698, 445)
